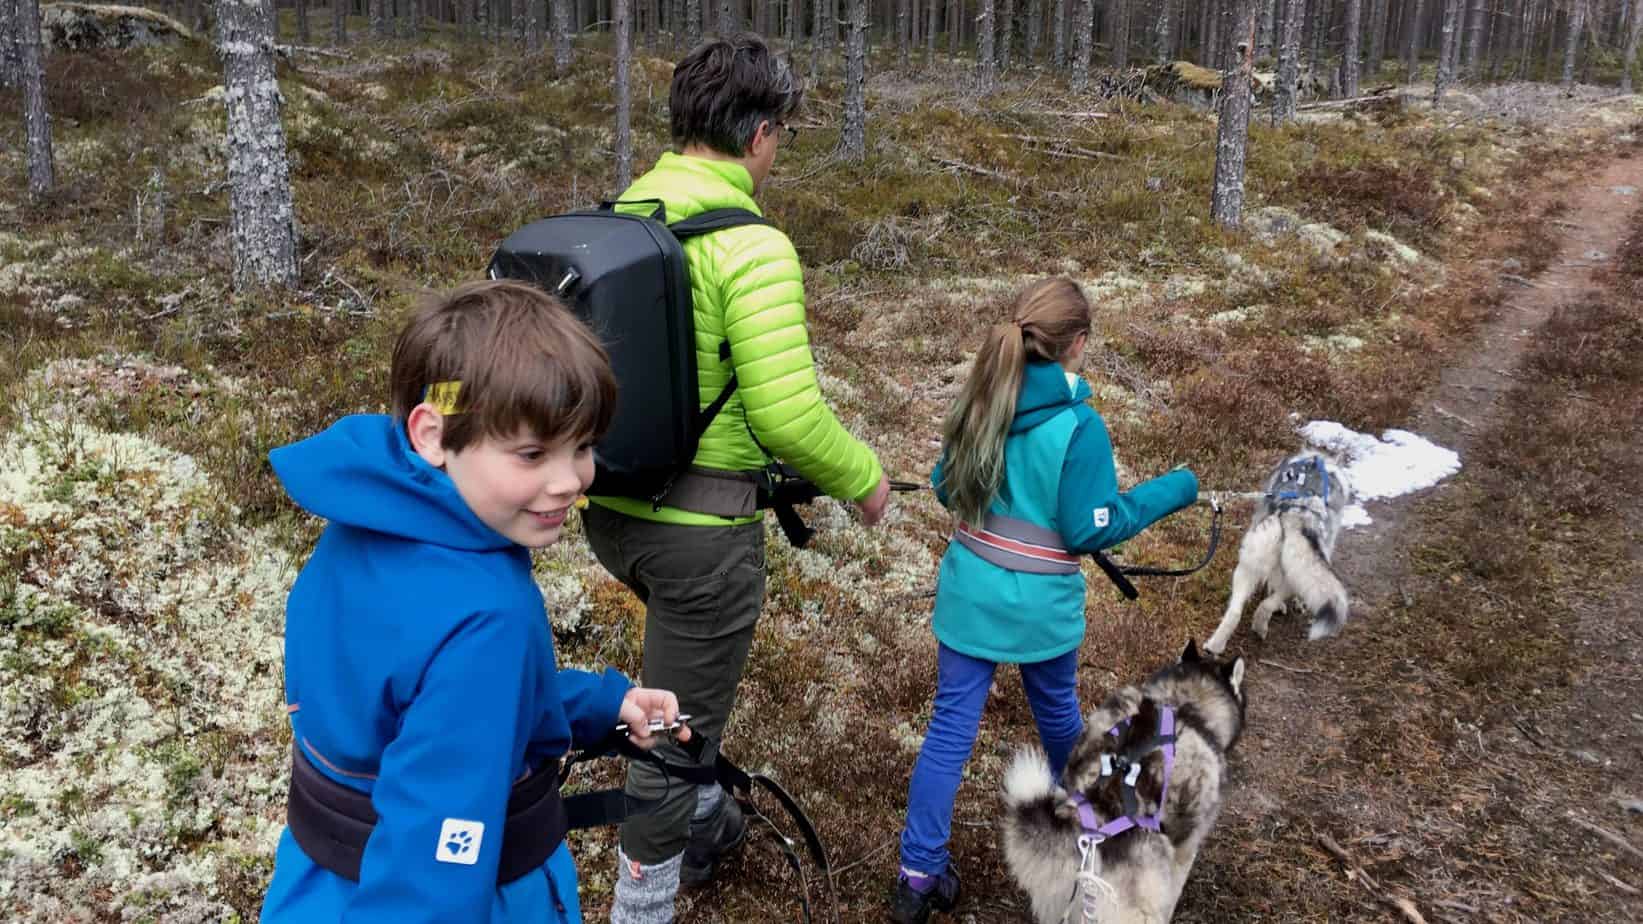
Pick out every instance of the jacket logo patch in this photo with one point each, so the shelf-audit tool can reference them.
(459, 841)
(1101, 518)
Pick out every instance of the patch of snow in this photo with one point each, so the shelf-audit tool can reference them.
(1397, 463)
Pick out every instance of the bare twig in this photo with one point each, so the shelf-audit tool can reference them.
(1453, 416)
(1526, 283)
(875, 852)
(1286, 667)
(1607, 835)
(1622, 886)
(1354, 871)
(984, 171)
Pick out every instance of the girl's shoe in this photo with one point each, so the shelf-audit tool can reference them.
(913, 906)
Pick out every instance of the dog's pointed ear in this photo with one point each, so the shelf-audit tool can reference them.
(1190, 656)
(1234, 674)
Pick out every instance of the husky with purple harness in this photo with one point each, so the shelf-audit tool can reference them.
(1114, 839)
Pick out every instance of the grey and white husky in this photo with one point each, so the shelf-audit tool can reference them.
(1114, 841)
(1288, 549)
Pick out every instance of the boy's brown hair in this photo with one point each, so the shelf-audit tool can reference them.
(521, 360)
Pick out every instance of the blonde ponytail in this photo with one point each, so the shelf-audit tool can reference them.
(1045, 321)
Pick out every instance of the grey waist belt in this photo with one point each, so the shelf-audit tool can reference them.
(1017, 545)
(716, 492)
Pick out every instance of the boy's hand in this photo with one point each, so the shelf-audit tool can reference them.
(873, 505)
(640, 705)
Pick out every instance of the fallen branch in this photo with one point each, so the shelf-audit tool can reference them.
(984, 171)
(1453, 416)
(289, 50)
(1528, 284)
(1068, 114)
(1354, 871)
(1344, 103)
(1607, 835)
(1064, 149)
(1622, 886)
(1286, 667)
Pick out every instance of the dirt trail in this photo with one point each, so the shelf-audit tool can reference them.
(1316, 759)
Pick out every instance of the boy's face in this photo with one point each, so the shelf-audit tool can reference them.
(522, 487)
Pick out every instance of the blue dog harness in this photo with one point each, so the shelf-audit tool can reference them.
(1301, 479)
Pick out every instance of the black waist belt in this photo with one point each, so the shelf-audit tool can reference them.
(331, 822)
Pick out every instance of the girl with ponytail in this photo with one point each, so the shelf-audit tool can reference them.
(1027, 470)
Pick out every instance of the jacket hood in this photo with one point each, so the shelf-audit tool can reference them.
(1045, 392)
(362, 472)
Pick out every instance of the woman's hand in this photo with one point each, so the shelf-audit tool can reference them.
(640, 705)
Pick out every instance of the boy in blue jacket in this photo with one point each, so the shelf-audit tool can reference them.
(427, 712)
(1027, 469)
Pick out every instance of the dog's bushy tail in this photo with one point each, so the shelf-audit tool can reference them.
(1311, 577)
(1040, 846)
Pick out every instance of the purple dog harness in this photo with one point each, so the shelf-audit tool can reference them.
(1127, 765)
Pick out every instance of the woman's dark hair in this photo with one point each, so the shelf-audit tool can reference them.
(724, 88)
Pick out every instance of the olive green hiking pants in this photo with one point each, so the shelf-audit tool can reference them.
(703, 589)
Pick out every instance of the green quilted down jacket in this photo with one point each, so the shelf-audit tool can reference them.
(747, 287)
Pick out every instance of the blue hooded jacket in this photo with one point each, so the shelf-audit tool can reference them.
(419, 668)
(1058, 474)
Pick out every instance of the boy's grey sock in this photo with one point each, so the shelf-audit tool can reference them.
(644, 892)
(707, 801)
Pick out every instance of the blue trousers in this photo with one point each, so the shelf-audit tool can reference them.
(961, 692)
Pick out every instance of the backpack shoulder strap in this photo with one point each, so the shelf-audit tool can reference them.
(714, 220)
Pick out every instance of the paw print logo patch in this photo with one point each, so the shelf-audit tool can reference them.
(459, 841)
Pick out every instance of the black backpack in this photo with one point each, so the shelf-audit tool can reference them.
(626, 277)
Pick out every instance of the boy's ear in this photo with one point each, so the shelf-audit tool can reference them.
(426, 429)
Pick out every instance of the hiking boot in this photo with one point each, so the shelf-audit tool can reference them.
(711, 840)
(912, 906)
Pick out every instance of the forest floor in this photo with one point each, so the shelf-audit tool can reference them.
(1473, 273)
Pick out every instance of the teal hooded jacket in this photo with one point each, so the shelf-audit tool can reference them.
(1059, 475)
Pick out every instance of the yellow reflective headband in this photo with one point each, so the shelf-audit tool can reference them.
(442, 395)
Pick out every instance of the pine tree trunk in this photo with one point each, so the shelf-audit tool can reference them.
(1289, 63)
(624, 101)
(986, 62)
(1058, 47)
(1006, 32)
(379, 18)
(561, 36)
(1035, 29)
(11, 63)
(1446, 68)
(903, 37)
(339, 21)
(533, 26)
(1350, 48)
(1232, 135)
(853, 135)
(1120, 32)
(1411, 41)
(933, 9)
(1577, 23)
(303, 36)
(1263, 39)
(1629, 55)
(1320, 31)
(795, 24)
(261, 222)
(1377, 35)
(1474, 40)
(42, 175)
(1161, 33)
(1083, 38)
(727, 18)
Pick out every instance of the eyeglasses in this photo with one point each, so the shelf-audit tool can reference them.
(790, 133)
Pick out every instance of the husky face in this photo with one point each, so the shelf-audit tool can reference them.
(1288, 550)
(1143, 870)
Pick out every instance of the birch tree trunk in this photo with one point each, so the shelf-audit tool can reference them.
(1083, 37)
(1058, 47)
(986, 62)
(1232, 135)
(1161, 33)
(1350, 48)
(853, 136)
(624, 97)
(1412, 38)
(1577, 23)
(1289, 63)
(561, 36)
(1474, 41)
(1629, 55)
(1446, 68)
(11, 64)
(42, 175)
(261, 222)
